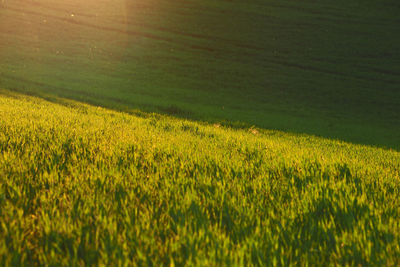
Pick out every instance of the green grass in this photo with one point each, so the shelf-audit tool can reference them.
(86, 185)
(328, 68)
(144, 139)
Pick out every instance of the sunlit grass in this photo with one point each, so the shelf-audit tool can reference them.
(85, 185)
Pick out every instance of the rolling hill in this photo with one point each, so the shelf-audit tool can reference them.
(328, 68)
(199, 132)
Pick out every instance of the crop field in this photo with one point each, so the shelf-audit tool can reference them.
(199, 133)
(327, 68)
(86, 185)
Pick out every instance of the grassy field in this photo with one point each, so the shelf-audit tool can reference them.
(199, 133)
(328, 68)
(86, 185)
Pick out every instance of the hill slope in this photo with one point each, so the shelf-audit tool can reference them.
(330, 68)
(81, 184)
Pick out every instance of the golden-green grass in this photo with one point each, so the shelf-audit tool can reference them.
(85, 185)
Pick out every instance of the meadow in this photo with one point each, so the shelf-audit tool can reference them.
(327, 68)
(84, 185)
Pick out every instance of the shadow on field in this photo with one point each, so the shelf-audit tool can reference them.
(146, 111)
(308, 67)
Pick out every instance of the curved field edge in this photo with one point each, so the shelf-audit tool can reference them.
(85, 185)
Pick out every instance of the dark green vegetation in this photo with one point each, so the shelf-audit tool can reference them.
(85, 185)
(329, 68)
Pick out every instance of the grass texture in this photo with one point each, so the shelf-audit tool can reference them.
(83, 185)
